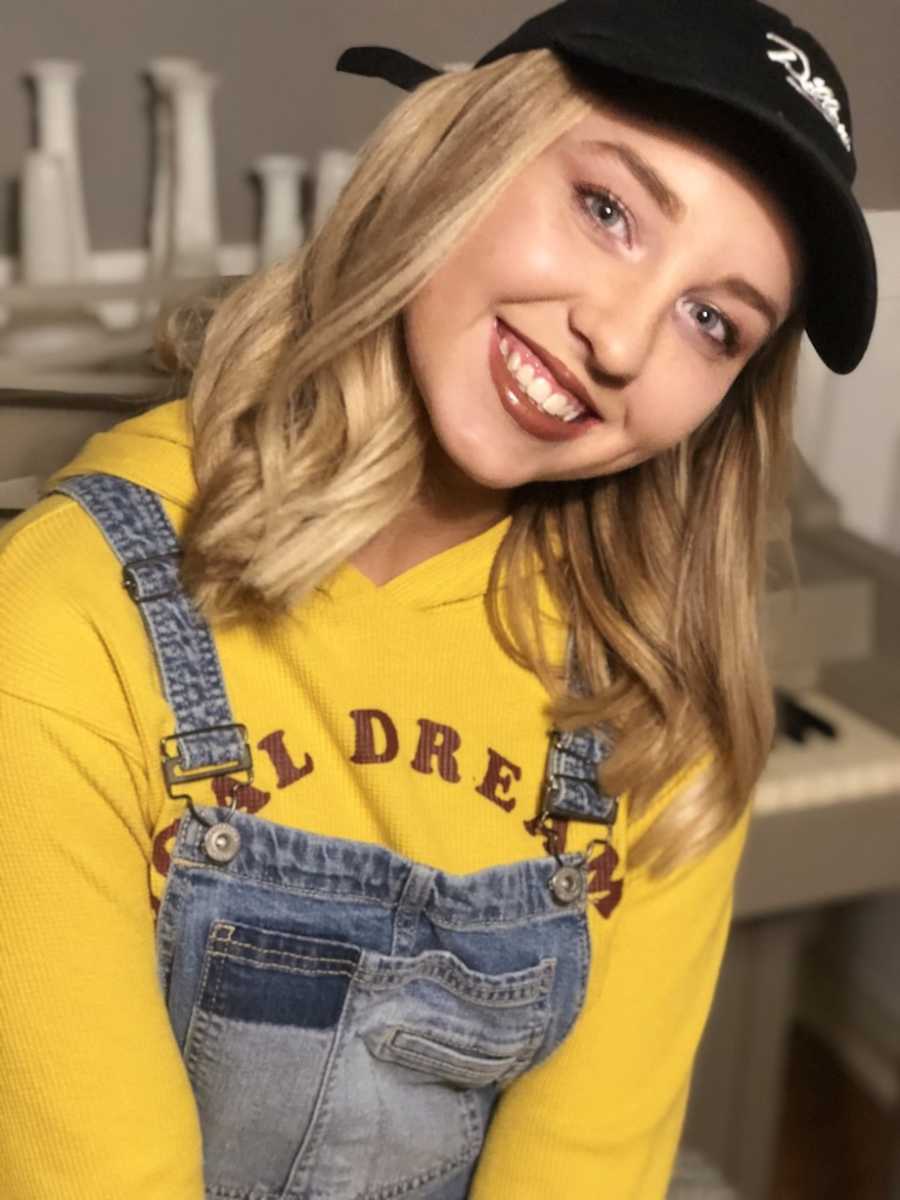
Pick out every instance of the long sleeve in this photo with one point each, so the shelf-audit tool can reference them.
(603, 1116)
(96, 1103)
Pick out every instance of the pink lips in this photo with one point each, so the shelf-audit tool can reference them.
(523, 410)
(562, 374)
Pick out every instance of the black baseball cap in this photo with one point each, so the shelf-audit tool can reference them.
(787, 97)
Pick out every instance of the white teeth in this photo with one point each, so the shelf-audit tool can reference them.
(537, 388)
(540, 390)
(557, 405)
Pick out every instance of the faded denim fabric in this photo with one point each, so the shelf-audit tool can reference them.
(348, 1018)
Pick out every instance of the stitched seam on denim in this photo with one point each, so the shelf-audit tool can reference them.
(454, 981)
(169, 921)
(576, 1005)
(553, 912)
(402, 1186)
(469, 1071)
(193, 1063)
(537, 1033)
(224, 1192)
(458, 1046)
(278, 967)
(311, 1141)
(227, 1193)
(457, 1073)
(199, 1023)
(197, 1031)
(200, 1018)
(313, 894)
(262, 952)
(546, 910)
(532, 978)
(445, 970)
(484, 1070)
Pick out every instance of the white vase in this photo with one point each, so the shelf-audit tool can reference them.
(46, 246)
(195, 218)
(281, 224)
(164, 74)
(47, 256)
(334, 169)
(55, 80)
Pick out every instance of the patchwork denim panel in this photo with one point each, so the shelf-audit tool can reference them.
(349, 1018)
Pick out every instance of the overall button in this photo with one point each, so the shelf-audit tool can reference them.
(568, 884)
(221, 843)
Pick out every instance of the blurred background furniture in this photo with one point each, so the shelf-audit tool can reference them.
(826, 832)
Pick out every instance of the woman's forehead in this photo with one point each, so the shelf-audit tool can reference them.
(665, 135)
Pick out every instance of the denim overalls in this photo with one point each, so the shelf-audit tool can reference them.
(347, 1016)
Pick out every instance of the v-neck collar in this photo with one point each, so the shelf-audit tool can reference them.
(458, 573)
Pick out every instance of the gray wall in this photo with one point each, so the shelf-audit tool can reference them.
(279, 91)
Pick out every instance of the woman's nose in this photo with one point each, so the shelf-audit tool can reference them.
(620, 331)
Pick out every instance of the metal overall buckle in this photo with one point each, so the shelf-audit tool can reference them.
(221, 840)
(569, 882)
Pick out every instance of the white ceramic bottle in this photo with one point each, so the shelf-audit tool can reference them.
(195, 216)
(334, 169)
(55, 82)
(164, 73)
(46, 246)
(281, 219)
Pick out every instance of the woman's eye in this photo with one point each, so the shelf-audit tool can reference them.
(714, 325)
(605, 209)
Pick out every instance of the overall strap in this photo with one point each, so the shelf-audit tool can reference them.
(571, 789)
(207, 741)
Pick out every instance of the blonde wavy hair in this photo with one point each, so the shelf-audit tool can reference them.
(309, 438)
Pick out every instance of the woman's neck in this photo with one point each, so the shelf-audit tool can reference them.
(451, 508)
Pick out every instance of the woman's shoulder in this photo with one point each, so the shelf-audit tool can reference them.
(63, 617)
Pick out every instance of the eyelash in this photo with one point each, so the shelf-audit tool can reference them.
(730, 345)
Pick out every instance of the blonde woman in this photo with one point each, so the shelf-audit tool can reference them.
(377, 838)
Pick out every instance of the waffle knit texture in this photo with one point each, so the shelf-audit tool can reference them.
(96, 1103)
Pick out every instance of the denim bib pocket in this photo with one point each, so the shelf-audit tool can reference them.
(455, 1062)
(362, 1075)
(348, 1018)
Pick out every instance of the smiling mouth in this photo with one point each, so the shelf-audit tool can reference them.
(573, 418)
(548, 385)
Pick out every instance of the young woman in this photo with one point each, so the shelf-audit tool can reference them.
(377, 838)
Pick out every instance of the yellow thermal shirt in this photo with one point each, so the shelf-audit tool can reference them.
(385, 714)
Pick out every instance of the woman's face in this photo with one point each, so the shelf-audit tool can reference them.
(602, 308)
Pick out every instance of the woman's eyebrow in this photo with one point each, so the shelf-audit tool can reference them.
(742, 290)
(671, 205)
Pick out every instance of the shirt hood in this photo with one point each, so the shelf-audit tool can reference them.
(152, 449)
